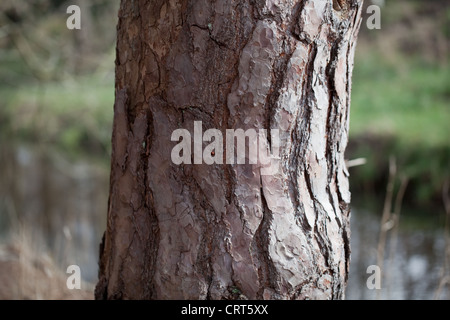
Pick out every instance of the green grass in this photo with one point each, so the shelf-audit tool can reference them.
(405, 110)
(412, 104)
(75, 116)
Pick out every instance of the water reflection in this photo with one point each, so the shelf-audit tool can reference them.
(65, 202)
(413, 262)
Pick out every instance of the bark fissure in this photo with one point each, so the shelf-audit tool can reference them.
(301, 137)
(228, 231)
(267, 271)
(152, 243)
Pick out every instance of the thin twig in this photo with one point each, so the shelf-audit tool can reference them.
(386, 215)
(396, 223)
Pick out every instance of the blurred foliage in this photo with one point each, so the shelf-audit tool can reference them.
(57, 86)
(411, 104)
(401, 100)
(35, 44)
(69, 115)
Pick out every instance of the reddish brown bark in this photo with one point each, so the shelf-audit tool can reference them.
(226, 231)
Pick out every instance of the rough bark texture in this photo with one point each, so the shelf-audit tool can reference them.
(226, 231)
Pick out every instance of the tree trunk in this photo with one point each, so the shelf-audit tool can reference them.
(226, 231)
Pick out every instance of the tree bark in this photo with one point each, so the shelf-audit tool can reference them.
(225, 231)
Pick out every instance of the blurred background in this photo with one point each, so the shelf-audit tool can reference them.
(56, 110)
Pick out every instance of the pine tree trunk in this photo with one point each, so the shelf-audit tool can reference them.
(226, 231)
